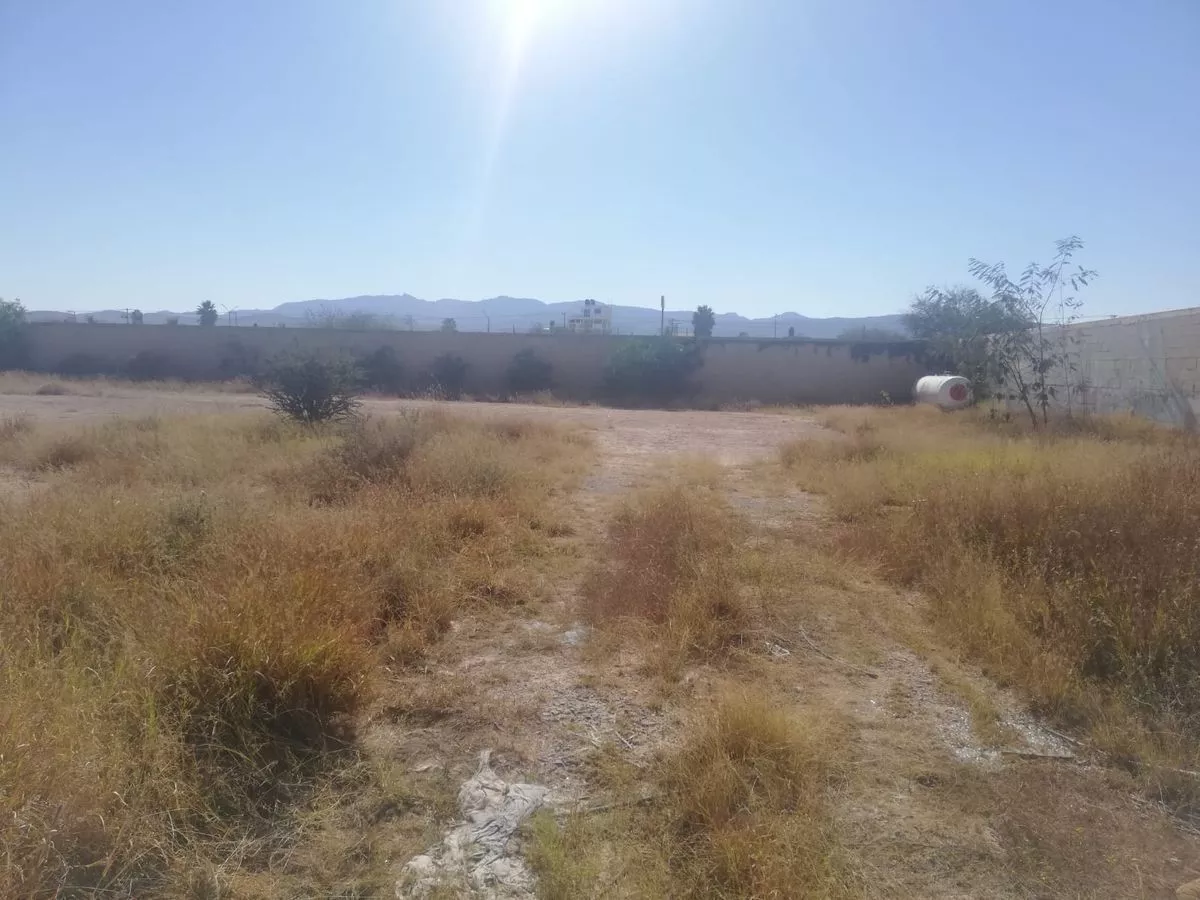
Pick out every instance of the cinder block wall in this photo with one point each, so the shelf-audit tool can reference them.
(1149, 365)
(783, 371)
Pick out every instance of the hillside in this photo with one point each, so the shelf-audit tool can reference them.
(502, 314)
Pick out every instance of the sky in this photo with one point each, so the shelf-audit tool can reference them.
(826, 157)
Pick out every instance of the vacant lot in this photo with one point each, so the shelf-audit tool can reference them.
(243, 659)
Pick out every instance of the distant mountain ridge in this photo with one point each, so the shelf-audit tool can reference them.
(520, 314)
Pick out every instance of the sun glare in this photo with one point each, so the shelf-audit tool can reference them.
(522, 19)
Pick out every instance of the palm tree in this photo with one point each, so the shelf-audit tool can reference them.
(207, 311)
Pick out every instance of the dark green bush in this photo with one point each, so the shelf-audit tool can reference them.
(382, 371)
(83, 364)
(148, 365)
(653, 371)
(449, 372)
(528, 372)
(239, 360)
(309, 389)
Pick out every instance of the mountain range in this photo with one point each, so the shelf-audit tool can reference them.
(404, 311)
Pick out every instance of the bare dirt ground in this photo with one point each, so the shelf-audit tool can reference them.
(959, 792)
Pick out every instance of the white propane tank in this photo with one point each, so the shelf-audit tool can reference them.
(943, 391)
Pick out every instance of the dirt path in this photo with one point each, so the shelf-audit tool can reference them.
(958, 791)
(535, 673)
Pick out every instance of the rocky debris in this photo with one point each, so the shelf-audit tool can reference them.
(479, 856)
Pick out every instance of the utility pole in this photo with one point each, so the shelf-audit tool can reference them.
(662, 317)
(489, 322)
(775, 326)
(564, 321)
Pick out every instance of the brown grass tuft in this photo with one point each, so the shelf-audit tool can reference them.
(672, 555)
(748, 797)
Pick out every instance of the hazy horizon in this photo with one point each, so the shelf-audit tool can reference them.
(822, 158)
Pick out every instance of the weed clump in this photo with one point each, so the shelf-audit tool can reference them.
(672, 553)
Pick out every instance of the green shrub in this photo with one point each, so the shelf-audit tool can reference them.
(653, 371)
(529, 373)
(382, 371)
(449, 373)
(82, 364)
(149, 365)
(308, 389)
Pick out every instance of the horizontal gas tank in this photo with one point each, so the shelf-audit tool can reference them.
(943, 391)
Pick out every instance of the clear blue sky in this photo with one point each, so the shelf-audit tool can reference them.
(830, 157)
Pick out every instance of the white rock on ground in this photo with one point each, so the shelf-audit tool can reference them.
(479, 855)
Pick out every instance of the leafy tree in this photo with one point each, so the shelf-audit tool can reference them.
(957, 324)
(207, 311)
(12, 334)
(309, 390)
(136, 317)
(865, 333)
(703, 321)
(449, 325)
(1002, 341)
(1027, 357)
(657, 370)
(791, 331)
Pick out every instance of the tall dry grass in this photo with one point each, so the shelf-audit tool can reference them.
(19, 382)
(1069, 561)
(741, 808)
(670, 570)
(195, 611)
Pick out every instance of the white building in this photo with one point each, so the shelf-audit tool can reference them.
(593, 318)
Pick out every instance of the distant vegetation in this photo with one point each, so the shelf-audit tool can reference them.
(12, 334)
(207, 313)
(703, 321)
(449, 374)
(653, 371)
(865, 333)
(529, 373)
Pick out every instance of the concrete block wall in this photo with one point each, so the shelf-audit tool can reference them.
(735, 369)
(1148, 365)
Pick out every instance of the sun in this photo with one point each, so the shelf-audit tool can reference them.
(522, 19)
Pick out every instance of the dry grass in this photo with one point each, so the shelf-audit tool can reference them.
(1067, 561)
(16, 382)
(741, 809)
(195, 612)
(671, 571)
